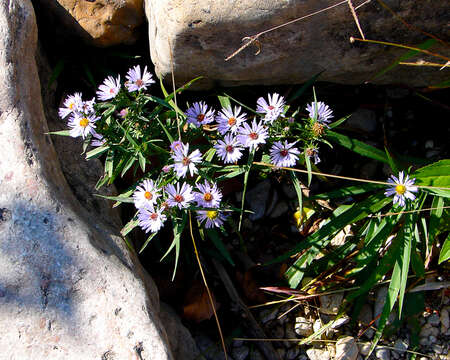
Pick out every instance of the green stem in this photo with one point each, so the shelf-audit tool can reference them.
(247, 171)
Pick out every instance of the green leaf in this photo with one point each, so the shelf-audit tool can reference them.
(445, 251)
(147, 242)
(394, 166)
(298, 190)
(247, 172)
(224, 101)
(308, 167)
(231, 174)
(122, 199)
(95, 153)
(218, 243)
(129, 163)
(165, 130)
(56, 72)
(436, 174)
(130, 225)
(348, 191)
(339, 122)
(357, 146)
(62, 133)
(178, 228)
(109, 163)
(435, 215)
(142, 161)
(304, 87)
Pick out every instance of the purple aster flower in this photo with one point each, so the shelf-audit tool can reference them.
(123, 113)
(209, 196)
(313, 153)
(252, 136)
(320, 112)
(145, 194)
(213, 218)
(109, 89)
(87, 107)
(402, 188)
(82, 125)
(272, 109)
(99, 140)
(151, 219)
(185, 162)
(72, 104)
(179, 197)
(284, 155)
(176, 145)
(198, 114)
(136, 81)
(230, 120)
(229, 149)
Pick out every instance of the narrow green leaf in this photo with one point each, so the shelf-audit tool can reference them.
(435, 215)
(122, 199)
(247, 172)
(436, 174)
(56, 72)
(218, 243)
(304, 87)
(407, 233)
(224, 101)
(109, 163)
(348, 191)
(165, 130)
(298, 190)
(339, 122)
(357, 146)
(95, 153)
(231, 174)
(394, 166)
(241, 104)
(308, 167)
(129, 163)
(130, 225)
(445, 251)
(61, 133)
(147, 242)
(142, 161)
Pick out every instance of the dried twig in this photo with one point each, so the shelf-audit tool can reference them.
(352, 9)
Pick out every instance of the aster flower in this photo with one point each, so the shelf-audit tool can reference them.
(136, 81)
(213, 218)
(198, 114)
(229, 149)
(71, 105)
(272, 109)
(185, 162)
(82, 125)
(313, 153)
(179, 197)
(99, 140)
(176, 145)
(109, 89)
(209, 196)
(87, 107)
(320, 112)
(145, 194)
(402, 188)
(230, 120)
(252, 136)
(151, 219)
(284, 155)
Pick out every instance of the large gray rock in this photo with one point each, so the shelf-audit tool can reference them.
(69, 287)
(199, 34)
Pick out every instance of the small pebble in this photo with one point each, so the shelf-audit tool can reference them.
(383, 354)
(364, 348)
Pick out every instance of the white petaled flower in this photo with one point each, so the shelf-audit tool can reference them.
(209, 196)
(136, 81)
(320, 112)
(272, 108)
(145, 194)
(229, 120)
(109, 89)
(251, 137)
(184, 162)
(314, 154)
(198, 114)
(284, 155)
(151, 219)
(99, 140)
(179, 197)
(213, 218)
(229, 149)
(402, 188)
(87, 107)
(72, 104)
(82, 125)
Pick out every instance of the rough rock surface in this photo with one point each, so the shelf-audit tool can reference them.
(69, 287)
(202, 33)
(99, 22)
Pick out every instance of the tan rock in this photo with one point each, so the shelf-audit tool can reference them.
(100, 22)
(202, 33)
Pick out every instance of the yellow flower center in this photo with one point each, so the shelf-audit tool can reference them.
(400, 189)
(71, 106)
(148, 195)
(212, 214)
(207, 197)
(84, 122)
(231, 121)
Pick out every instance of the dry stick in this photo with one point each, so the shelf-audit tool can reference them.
(353, 39)
(352, 9)
(253, 38)
(174, 91)
(426, 63)
(409, 211)
(207, 288)
(266, 348)
(343, 177)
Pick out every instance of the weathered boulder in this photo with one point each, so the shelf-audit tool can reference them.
(98, 22)
(198, 35)
(69, 287)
